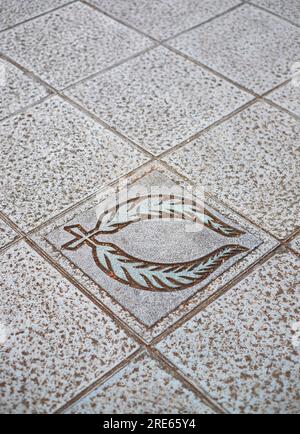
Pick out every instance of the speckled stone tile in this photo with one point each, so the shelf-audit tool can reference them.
(288, 97)
(142, 387)
(15, 11)
(71, 43)
(53, 156)
(17, 90)
(251, 162)
(159, 99)
(289, 9)
(164, 18)
(58, 342)
(295, 245)
(148, 271)
(250, 46)
(243, 349)
(7, 234)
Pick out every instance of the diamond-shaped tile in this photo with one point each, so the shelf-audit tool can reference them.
(288, 96)
(289, 9)
(159, 99)
(162, 18)
(17, 90)
(147, 388)
(250, 46)
(54, 341)
(71, 43)
(150, 270)
(244, 348)
(250, 162)
(16, 11)
(53, 155)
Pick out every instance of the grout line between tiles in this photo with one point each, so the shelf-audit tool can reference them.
(153, 351)
(83, 290)
(188, 382)
(289, 240)
(131, 333)
(233, 8)
(106, 125)
(25, 108)
(100, 381)
(28, 73)
(209, 69)
(216, 295)
(96, 8)
(124, 326)
(205, 130)
(264, 95)
(144, 151)
(38, 16)
(221, 202)
(19, 235)
(234, 83)
(109, 68)
(166, 365)
(280, 108)
(272, 13)
(85, 199)
(10, 223)
(163, 43)
(54, 91)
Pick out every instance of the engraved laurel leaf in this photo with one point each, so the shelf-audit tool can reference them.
(159, 207)
(154, 276)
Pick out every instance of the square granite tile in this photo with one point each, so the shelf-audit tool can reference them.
(243, 349)
(57, 341)
(7, 234)
(295, 245)
(53, 156)
(164, 18)
(250, 46)
(289, 9)
(71, 43)
(158, 99)
(142, 387)
(15, 11)
(288, 97)
(250, 162)
(17, 90)
(151, 270)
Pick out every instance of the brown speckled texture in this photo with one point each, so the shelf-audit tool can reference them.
(149, 313)
(250, 162)
(250, 46)
(240, 349)
(71, 43)
(13, 12)
(97, 95)
(18, 90)
(295, 245)
(289, 9)
(53, 155)
(58, 341)
(159, 99)
(7, 234)
(164, 18)
(142, 387)
(288, 96)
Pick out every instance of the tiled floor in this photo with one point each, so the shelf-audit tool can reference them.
(109, 309)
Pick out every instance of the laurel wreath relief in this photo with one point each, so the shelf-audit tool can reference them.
(147, 275)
